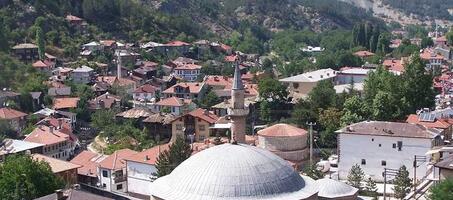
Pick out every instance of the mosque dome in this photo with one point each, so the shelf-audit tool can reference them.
(234, 171)
(332, 189)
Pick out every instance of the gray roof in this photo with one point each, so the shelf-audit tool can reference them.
(446, 163)
(75, 195)
(83, 68)
(9, 146)
(329, 188)
(237, 81)
(390, 129)
(313, 76)
(239, 172)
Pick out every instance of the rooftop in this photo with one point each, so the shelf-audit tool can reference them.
(446, 163)
(390, 129)
(332, 189)
(363, 54)
(14, 146)
(147, 88)
(83, 69)
(282, 130)
(194, 88)
(116, 160)
(9, 113)
(148, 156)
(313, 76)
(25, 46)
(46, 135)
(135, 113)
(88, 161)
(65, 102)
(173, 101)
(72, 194)
(56, 165)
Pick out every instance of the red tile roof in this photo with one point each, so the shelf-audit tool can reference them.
(89, 162)
(194, 88)
(363, 54)
(177, 43)
(441, 39)
(394, 65)
(148, 156)
(225, 47)
(39, 64)
(9, 113)
(282, 130)
(173, 101)
(428, 54)
(188, 66)
(107, 43)
(441, 124)
(67, 102)
(147, 88)
(204, 115)
(73, 18)
(218, 80)
(231, 58)
(44, 135)
(116, 160)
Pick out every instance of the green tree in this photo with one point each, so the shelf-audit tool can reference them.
(355, 176)
(323, 95)
(169, 159)
(402, 183)
(371, 188)
(449, 37)
(102, 119)
(417, 86)
(209, 100)
(40, 40)
(21, 177)
(426, 42)
(385, 107)
(383, 43)
(313, 172)
(6, 131)
(328, 119)
(274, 99)
(442, 190)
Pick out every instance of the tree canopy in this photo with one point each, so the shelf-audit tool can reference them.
(169, 159)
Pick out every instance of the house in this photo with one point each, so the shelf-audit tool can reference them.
(73, 194)
(65, 170)
(300, 85)
(159, 125)
(186, 90)
(429, 120)
(57, 142)
(100, 88)
(433, 59)
(182, 61)
(10, 146)
(194, 125)
(176, 47)
(104, 101)
(188, 72)
(441, 41)
(174, 105)
(65, 103)
(83, 75)
(93, 46)
(58, 89)
(145, 72)
(77, 22)
(220, 109)
(146, 92)
(25, 52)
(445, 168)
(138, 113)
(364, 54)
(394, 66)
(8, 95)
(141, 171)
(311, 49)
(112, 171)
(444, 51)
(15, 118)
(348, 75)
(109, 45)
(384, 145)
(89, 161)
(43, 66)
(113, 81)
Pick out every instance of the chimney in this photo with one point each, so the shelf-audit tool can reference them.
(51, 129)
(60, 123)
(146, 158)
(59, 194)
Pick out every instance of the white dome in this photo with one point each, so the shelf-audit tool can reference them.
(229, 171)
(329, 188)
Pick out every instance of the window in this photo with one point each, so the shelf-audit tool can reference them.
(104, 185)
(178, 127)
(296, 85)
(372, 139)
(105, 173)
(119, 187)
(400, 145)
(380, 145)
(173, 109)
(394, 145)
(363, 162)
(384, 163)
(201, 127)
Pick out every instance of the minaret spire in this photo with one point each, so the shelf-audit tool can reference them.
(237, 112)
(237, 81)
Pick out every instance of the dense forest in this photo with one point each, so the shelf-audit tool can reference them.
(431, 8)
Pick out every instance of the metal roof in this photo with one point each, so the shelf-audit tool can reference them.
(329, 188)
(239, 172)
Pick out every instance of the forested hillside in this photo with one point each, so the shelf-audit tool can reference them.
(432, 8)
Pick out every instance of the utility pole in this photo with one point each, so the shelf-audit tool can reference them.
(311, 124)
(388, 172)
(417, 159)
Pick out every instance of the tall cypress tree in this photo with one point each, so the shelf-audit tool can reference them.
(40, 42)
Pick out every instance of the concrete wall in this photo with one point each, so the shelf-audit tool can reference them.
(139, 177)
(375, 149)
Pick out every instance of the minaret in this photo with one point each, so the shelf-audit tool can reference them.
(119, 64)
(238, 112)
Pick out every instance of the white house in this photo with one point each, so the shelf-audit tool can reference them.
(174, 105)
(145, 92)
(112, 171)
(141, 171)
(349, 75)
(376, 145)
(300, 85)
(58, 142)
(188, 72)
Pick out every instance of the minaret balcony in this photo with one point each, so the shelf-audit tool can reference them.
(238, 112)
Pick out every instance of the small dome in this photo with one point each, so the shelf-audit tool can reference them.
(329, 188)
(229, 171)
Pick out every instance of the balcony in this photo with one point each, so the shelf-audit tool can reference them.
(119, 179)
